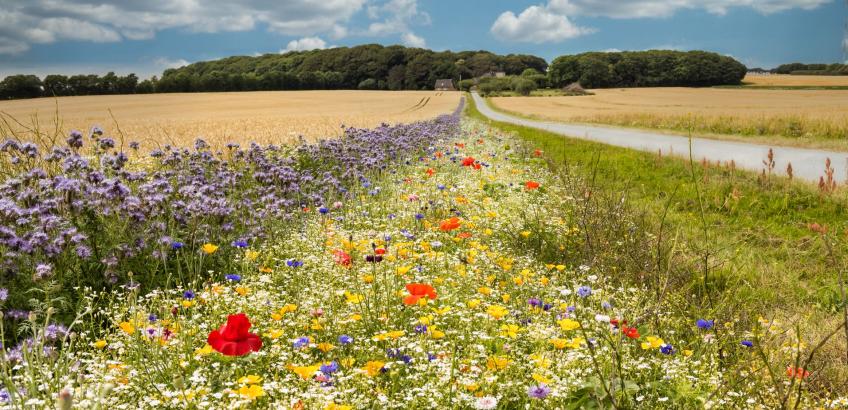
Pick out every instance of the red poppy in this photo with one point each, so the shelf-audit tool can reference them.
(449, 224)
(463, 235)
(791, 371)
(468, 161)
(380, 251)
(430, 172)
(537, 152)
(477, 165)
(531, 185)
(460, 145)
(418, 291)
(630, 332)
(341, 257)
(233, 338)
(438, 154)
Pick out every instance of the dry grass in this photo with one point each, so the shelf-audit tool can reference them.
(265, 117)
(787, 117)
(784, 80)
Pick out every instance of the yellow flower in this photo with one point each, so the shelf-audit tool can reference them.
(472, 387)
(544, 281)
(389, 335)
(559, 343)
(525, 234)
(442, 310)
(251, 255)
(355, 317)
(541, 379)
(242, 290)
(187, 303)
(368, 278)
(402, 270)
(518, 280)
(325, 347)
(209, 248)
(274, 334)
(353, 298)
(203, 351)
(305, 372)
(251, 392)
(560, 267)
(372, 368)
(652, 342)
(687, 353)
(334, 406)
(127, 327)
(506, 297)
(568, 324)
(316, 325)
(510, 331)
(425, 320)
(576, 342)
(497, 312)
(473, 303)
(288, 308)
(100, 344)
(250, 379)
(435, 333)
(484, 290)
(497, 362)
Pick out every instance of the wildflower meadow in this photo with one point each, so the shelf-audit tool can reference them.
(437, 264)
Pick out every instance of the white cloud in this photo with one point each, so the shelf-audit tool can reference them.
(23, 23)
(397, 17)
(551, 21)
(306, 43)
(411, 40)
(536, 24)
(627, 9)
(168, 63)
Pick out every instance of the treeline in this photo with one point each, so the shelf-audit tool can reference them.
(653, 68)
(811, 69)
(372, 67)
(30, 86)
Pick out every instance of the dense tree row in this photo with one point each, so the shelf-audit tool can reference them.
(29, 86)
(653, 68)
(369, 66)
(813, 69)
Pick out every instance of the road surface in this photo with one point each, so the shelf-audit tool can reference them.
(807, 164)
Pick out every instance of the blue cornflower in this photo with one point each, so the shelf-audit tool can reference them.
(233, 277)
(440, 187)
(667, 348)
(177, 245)
(345, 339)
(539, 392)
(329, 368)
(705, 324)
(152, 318)
(406, 359)
(323, 210)
(300, 342)
(4, 294)
(240, 243)
(419, 216)
(747, 343)
(188, 295)
(421, 329)
(293, 263)
(584, 291)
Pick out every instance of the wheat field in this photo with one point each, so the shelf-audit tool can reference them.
(788, 117)
(265, 117)
(785, 80)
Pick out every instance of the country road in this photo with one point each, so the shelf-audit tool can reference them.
(807, 164)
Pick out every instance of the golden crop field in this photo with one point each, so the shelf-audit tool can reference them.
(799, 117)
(264, 117)
(796, 80)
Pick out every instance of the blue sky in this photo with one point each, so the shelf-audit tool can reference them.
(82, 36)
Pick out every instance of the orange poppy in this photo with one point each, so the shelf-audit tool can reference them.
(537, 152)
(418, 291)
(430, 172)
(531, 185)
(449, 224)
(464, 235)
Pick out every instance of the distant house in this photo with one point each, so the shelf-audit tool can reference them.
(445, 85)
